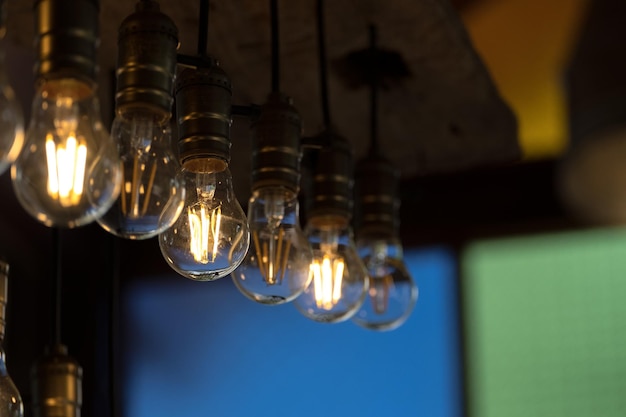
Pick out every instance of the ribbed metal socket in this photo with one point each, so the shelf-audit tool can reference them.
(376, 194)
(332, 179)
(203, 111)
(4, 291)
(3, 18)
(57, 385)
(66, 39)
(146, 61)
(276, 145)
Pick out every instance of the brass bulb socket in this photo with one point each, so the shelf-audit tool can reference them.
(376, 196)
(66, 38)
(203, 114)
(57, 385)
(331, 177)
(146, 61)
(276, 145)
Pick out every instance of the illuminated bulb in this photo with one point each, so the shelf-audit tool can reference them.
(68, 173)
(276, 268)
(339, 280)
(153, 193)
(392, 293)
(211, 236)
(11, 120)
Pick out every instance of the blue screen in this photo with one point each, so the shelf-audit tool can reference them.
(198, 349)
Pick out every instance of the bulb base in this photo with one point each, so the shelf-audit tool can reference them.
(331, 181)
(203, 109)
(66, 38)
(377, 202)
(276, 145)
(57, 385)
(146, 61)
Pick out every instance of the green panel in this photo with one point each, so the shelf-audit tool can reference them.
(545, 324)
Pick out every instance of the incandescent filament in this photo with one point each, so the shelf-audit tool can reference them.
(66, 169)
(327, 279)
(204, 230)
(272, 255)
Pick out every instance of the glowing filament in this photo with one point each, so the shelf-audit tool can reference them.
(66, 170)
(327, 280)
(272, 256)
(204, 231)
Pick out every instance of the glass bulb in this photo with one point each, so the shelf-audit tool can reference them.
(211, 236)
(153, 192)
(392, 293)
(11, 119)
(276, 268)
(68, 173)
(11, 404)
(339, 280)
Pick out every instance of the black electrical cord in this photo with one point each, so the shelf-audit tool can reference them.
(374, 85)
(203, 29)
(57, 287)
(322, 63)
(275, 46)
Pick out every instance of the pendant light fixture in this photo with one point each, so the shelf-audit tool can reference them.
(339, 279)
(68, 172)
(56, 378)
(152, 193)
(392, 292)
(211, 236)
(276, 268)
(11, 117)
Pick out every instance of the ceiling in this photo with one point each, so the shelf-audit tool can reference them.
(445, 116)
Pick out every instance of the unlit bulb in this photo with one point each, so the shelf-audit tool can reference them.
(210, 238)
(276, 268)
(392, 293)
(68, 173)
(152, 193)
(339, 280)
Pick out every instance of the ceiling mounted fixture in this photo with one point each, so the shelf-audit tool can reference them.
(392, 291)
(276, 268)
(339, 278)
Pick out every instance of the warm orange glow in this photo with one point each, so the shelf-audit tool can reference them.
(66, 170)
(204, 232)
(327, 279)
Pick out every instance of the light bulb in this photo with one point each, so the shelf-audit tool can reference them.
(339, 280)
(211, 236)
(276, 268)
(68, 173)
(153, 193)
(11, 119)
(392, 293)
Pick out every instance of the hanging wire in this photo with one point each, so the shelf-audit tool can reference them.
(275, 46)
(57, 285)
(374, 82)
(203, 29)
(322, 63)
